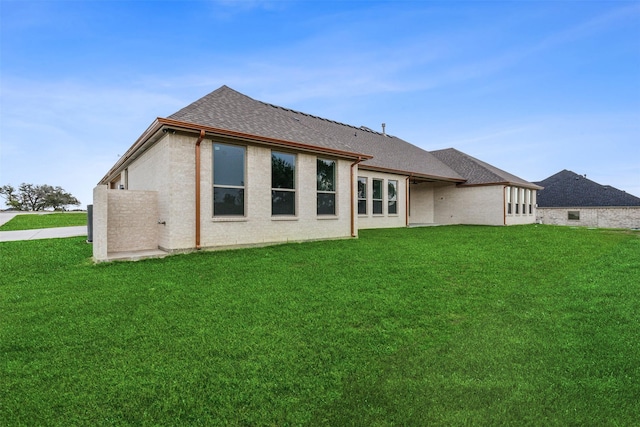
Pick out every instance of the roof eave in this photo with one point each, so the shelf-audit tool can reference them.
(214, 131)
(434, 178)
(508, 183)
(135, 148)
(164, 123)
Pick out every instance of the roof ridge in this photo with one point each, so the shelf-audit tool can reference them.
(291, 110)
(486, 166)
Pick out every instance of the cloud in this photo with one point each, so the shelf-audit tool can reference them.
(68, 133)
(602, 145)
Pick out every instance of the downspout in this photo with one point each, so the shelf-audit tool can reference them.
(504, 205)
(198, 142)
(406, 200)
(353, 218)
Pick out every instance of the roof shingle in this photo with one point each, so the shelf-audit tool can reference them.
(228, 109)
(568, 189)
(477, 172)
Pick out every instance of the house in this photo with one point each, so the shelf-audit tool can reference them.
(572, 199)
(230, 171)
(513, 198)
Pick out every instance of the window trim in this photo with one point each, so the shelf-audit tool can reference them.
(395, 197)
(236, 187)
(366, 193)
(334, 192)
(380, 200)
(293, 190)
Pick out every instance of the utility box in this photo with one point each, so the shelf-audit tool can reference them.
(90, 223)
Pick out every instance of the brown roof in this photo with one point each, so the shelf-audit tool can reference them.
(226, 108)
(227, 112)
(477, 172)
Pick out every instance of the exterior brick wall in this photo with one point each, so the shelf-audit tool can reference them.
(522, 216)
(133, 220)
(258, 226)
(384, 220)
(152, 172)
(600, 217)
(100, 222)
(421, 201)
(469, 205)
(161, 188)
(124, 220)
(168, 168)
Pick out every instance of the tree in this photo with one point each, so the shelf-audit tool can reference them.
(9, 193)
(29, 197)
(58, 199)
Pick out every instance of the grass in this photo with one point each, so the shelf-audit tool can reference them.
(460, 325)
(52, 220)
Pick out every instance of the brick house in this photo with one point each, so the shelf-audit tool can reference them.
(572, 199)
(230, 171)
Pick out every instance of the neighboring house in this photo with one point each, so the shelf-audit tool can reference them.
(230, 171)
(572, 199)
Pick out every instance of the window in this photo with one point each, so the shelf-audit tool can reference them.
(508, 193)
(524, 206)
(377, 197)
(362, 195)
(515, 200)
(392, 188)
(326, 177)
(283, 183)
(574, 215)
(228, 180)
(528, 198)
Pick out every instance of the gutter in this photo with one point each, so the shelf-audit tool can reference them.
(353, 218)
(198, 142)
(428, 178)
(257, 139)
(162, 123)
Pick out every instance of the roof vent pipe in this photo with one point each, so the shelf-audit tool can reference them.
(383, 126)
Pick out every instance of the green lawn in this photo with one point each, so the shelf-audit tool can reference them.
(52, 220)
(459, 325)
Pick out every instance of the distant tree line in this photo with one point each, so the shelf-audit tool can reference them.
(29, 197)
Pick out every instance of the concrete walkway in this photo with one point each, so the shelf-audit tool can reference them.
(40, 233)
(7, 216)
(43, 233)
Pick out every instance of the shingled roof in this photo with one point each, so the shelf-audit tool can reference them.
(228, 109)
(477, 172)
(568, 189)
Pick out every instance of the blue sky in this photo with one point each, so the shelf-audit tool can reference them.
(530, 87)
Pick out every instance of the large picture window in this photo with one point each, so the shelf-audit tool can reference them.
(377, 197)
(228, 180)
(326, 178)
(362, 195)
(283, 183)
(392, 191)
